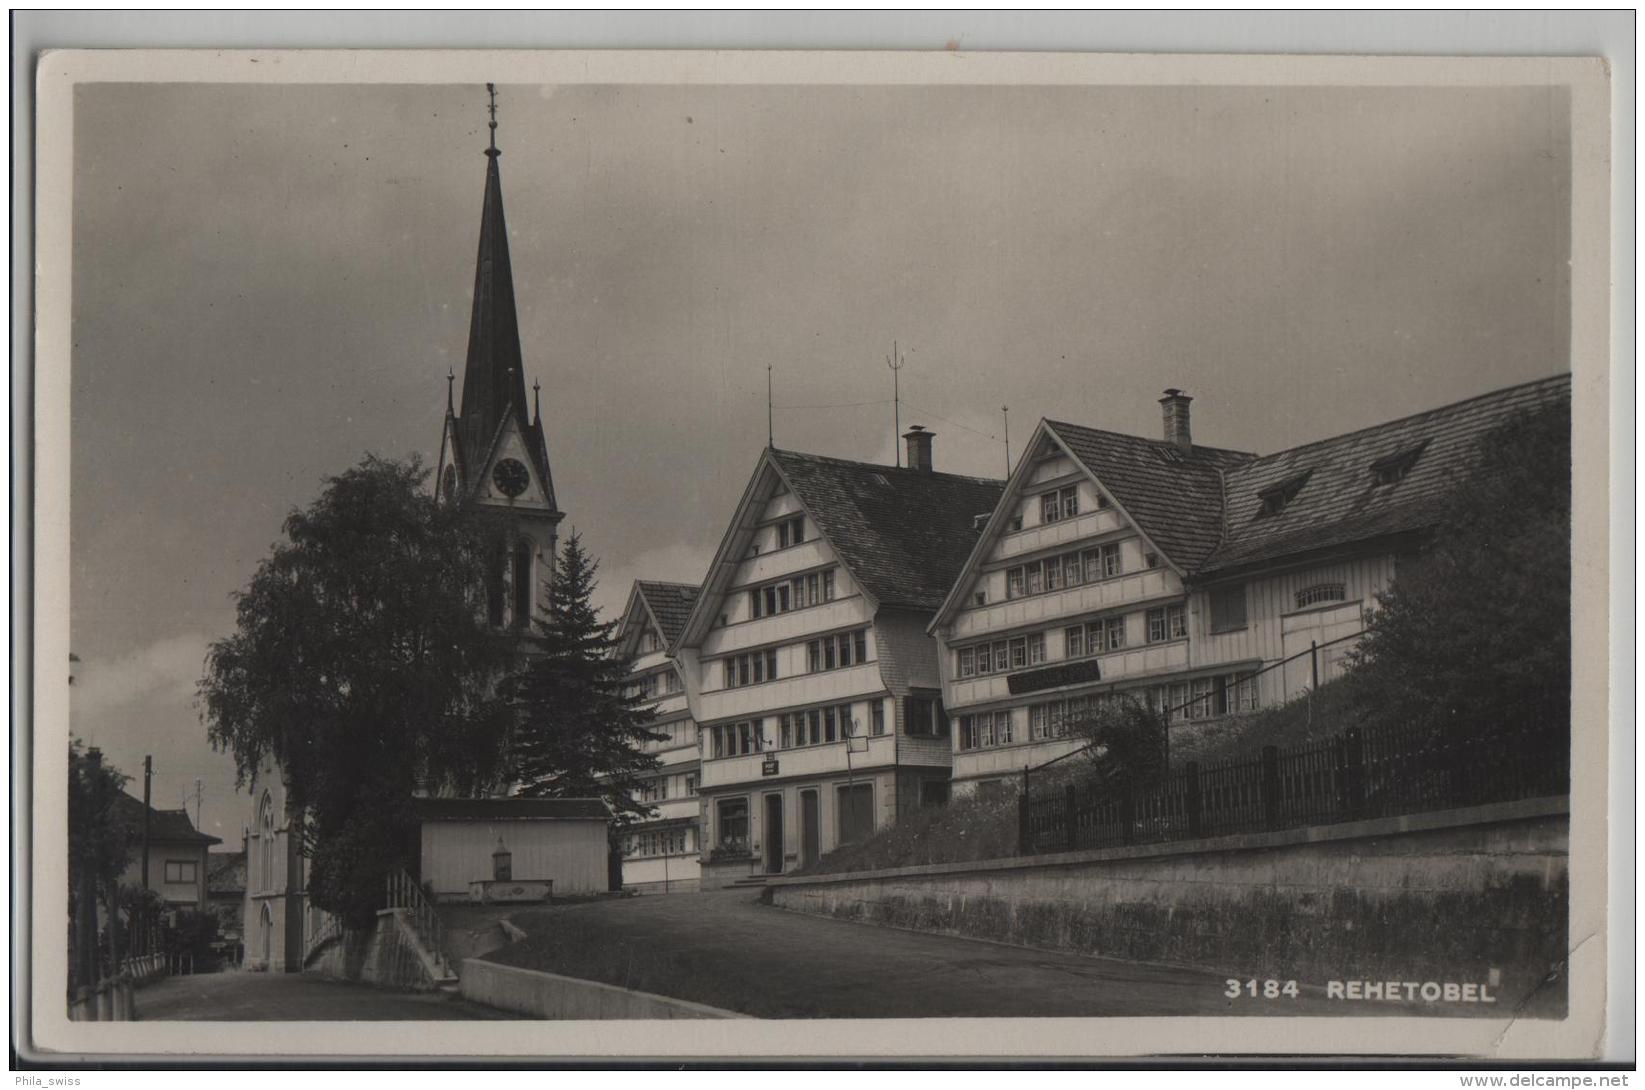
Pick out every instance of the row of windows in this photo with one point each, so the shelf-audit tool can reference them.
(799, 592)
(838, 651)
(735, 739)
(819, 726)
(1066, 570)
(790, 531)
(750, 669)
(1092, 638)
(1001, 655)
(656, 789)
(660, 842)
(657, 684)
(1199, 698)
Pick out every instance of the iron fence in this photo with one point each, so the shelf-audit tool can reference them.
(1377, 772)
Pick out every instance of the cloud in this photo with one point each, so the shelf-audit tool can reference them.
(168, 667)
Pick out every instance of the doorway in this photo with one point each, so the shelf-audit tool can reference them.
(773, 834)
(265, 920)
(808, 828)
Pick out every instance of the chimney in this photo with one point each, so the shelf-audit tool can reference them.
(919, 448)
(1175, 404)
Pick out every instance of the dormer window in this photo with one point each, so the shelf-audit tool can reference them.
(1320, 592)
(1278, 498)
(1395, 467)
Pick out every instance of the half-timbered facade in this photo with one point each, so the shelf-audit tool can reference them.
(806, 660)
(1204, 582)
(662, 853)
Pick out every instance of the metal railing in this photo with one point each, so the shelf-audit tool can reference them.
(330, 928)
(1376, 772)
(405, 893)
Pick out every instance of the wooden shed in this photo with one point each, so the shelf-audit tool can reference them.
(464, 842)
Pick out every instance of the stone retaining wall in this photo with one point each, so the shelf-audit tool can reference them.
(1464, 895)
(550, 995)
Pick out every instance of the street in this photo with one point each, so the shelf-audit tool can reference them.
(725, 949)
(294, 997)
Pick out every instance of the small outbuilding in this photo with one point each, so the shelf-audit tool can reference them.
(513, 849)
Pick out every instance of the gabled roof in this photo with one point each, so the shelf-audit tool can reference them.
(512, 809)
(1341, 502)
(903, 534)
(1173, 495)
(670, 604)
(171, 826)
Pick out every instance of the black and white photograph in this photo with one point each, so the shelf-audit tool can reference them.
(831, 544)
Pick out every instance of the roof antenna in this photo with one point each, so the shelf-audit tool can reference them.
(451, 377)
(1005, 411)
(536, 399)
(770, 433)
(491, 90)
(894, 361)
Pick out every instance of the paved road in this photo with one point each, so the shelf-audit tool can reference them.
(293, 997)
(725, 949)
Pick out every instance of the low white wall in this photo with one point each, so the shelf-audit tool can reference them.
(549, 995)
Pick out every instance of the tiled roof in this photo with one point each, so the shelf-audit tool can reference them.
(1202, 506)
(172, 826)
(226, 872)
(509, 809)
(670, 603)
(1174, 495)
(1341, 502)
(903, 533)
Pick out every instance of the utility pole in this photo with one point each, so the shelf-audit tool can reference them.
(770, 442)
(148, 781)
(895, 363)
(197, 801)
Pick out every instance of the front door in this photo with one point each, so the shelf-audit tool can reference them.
(808, 828)
(773, 834)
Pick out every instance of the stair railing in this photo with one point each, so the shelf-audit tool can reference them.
(405, 893)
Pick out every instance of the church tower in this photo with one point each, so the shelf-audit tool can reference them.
(492, 454)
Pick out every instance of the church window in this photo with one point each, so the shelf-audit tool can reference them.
(496, 591)
(522, 582)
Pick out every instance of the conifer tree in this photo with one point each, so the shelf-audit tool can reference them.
(580, 729)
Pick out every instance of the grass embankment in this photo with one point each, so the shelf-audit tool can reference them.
(1330, 711)
(973, 828)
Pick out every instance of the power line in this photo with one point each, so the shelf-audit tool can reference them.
(956, 423)
(838, 405)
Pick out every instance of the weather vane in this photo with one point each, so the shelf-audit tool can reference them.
(491, 90)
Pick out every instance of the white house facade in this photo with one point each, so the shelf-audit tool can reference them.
(662, 854)
(806, 661)
(1203, 582)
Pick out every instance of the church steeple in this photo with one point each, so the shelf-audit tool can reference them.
(494, 389)
(492, 454)
(494, 377)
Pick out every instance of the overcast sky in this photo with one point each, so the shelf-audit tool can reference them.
(271, 281)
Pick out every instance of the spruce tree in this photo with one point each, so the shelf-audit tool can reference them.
(580, 728)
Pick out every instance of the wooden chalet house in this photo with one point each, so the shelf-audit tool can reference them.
(806, 661)
(1205, 582)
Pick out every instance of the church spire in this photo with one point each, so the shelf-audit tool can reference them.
(494, 377)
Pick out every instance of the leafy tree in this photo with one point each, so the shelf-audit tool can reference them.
(581, 728)
(363, 665)
(102, 838)
(1475, 632)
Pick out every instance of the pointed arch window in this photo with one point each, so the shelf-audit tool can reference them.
(524, 554)
(496, 584)
(265, 834)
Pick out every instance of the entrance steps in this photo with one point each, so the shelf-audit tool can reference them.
(752, 881)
